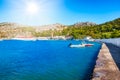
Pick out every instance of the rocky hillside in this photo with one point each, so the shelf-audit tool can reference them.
(10, 30)
(56, 26)
(110, 29)
(82, 24)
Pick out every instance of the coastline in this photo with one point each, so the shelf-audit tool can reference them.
(38, 38)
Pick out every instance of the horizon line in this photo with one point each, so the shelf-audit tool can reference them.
(58, 23)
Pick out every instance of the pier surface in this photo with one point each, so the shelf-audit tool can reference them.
(105, 68)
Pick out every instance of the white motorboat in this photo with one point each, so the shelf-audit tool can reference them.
(77, 45)
(83, 44)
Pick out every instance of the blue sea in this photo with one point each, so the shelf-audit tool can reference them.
(46, 60)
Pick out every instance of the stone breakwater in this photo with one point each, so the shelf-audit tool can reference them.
(105, 68)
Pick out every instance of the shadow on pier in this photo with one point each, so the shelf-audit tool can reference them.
(115, 52)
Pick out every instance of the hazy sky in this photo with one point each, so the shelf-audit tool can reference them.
(40, 12)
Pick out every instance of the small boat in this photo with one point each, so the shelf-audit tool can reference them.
(76, 45)
(83, 44)
(89, 44)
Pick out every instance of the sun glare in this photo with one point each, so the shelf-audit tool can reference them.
(32, 8)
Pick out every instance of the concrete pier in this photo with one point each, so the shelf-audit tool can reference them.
(105, 68)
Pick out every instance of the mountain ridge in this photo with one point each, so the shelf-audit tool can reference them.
(77, 30)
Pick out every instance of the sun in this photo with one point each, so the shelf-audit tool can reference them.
(32, 8)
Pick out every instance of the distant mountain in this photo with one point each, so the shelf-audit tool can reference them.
(56, 26)
(9, 30)
(79, 24)
(114, 24)
(9, 24)
(115, 21)
(108, 29)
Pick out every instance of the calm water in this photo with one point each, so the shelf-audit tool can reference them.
(46, 60)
